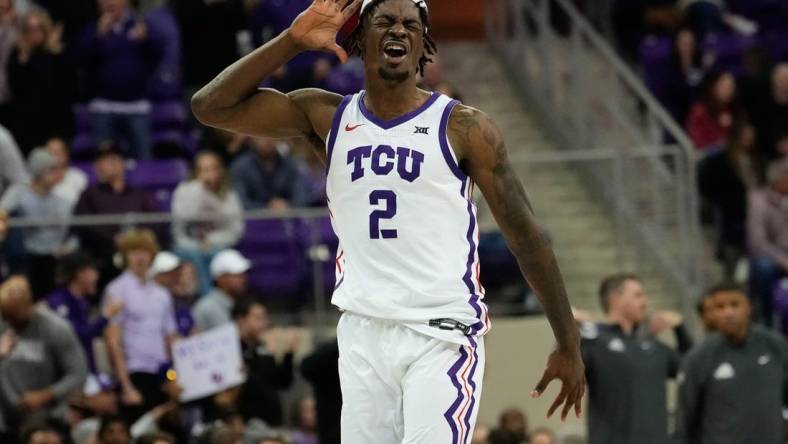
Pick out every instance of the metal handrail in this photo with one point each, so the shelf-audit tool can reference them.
(591, 99)
(631, 79)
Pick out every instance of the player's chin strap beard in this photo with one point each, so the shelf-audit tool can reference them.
(388, 76)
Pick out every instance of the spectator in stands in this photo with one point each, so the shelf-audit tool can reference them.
(44, 245)
(12, 166)
(42, 81)
(767, 232)
(140, 335)
(110, 195)
(157, 438)
(120, 61)
(687, 67)
(207, 195)
(265, 177)
(8, 35)
(543, 436)
(228, 270)
(74, 180)
(209, 30)
(632, 20)
(265, 377)
(73, 14)
(712, 116)
(41, 360)
(770, 112)
(724, 178)
(114, 430)
(41, 434)
(304, 422)
(512, 427)
(734, 386)
(72, 302)
(168, 271)
(320, 369)
(186, 294)
(627, 366)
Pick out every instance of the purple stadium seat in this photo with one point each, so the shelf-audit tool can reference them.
(347, 78)
(274, 247)
(83, 145)
(157, 174)
(82, 119)
(729, 51)
(87, 168)
(655, 55)
(169, 114)
(776, 45)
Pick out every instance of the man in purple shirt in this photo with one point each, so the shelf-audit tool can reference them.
(139, 337)
(119, 61)
(767, 232)
(72, 303)
(110, 195)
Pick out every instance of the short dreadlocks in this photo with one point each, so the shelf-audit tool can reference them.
(354, 45)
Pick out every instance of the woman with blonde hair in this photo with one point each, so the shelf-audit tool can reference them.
(207, 196)
(41, 79)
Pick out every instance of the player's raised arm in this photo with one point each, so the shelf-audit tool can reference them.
(233, 101)
(479, 145)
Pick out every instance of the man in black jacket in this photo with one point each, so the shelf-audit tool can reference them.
(626, 366)
(733, 386)
(265, 377)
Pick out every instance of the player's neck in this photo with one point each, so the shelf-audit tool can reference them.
(387, 100)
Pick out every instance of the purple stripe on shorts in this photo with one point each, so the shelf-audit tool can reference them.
(449, 415)
(473, 388)
(332, 138)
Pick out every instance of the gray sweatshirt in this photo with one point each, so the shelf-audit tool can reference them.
(47, 355)
(12, 167)
(191, 200)
(734, 394)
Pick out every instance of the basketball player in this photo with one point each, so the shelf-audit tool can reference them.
(402, 166)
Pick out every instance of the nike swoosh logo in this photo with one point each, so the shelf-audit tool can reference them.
(351, 128)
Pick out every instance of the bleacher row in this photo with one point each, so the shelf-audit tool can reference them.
(281, 250)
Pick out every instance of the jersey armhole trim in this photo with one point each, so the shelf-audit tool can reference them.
(332, 135)
(448, 152)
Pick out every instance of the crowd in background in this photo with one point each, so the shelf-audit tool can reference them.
(720, 67)
(94, 120)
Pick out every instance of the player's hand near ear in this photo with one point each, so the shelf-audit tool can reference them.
(316, 28)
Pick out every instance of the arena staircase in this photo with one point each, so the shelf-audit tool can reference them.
(582, 229)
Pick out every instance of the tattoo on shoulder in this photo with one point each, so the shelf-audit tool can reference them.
(477, 132)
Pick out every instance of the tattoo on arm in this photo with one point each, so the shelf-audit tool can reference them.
(486, 161)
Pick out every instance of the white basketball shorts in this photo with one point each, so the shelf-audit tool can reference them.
(402, 387)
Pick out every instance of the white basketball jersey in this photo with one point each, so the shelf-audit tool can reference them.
(406, 223)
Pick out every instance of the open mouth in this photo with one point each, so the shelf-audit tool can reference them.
(395, 52)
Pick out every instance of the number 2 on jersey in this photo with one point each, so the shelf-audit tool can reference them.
(389, 212)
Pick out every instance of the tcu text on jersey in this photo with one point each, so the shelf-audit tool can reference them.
(382, 160)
